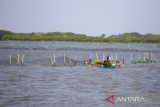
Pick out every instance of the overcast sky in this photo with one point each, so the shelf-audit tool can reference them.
(91, 17)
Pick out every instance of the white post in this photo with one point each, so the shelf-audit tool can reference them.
(10, 59)
(111, 56)
(22, 59)
(90, 58)
(116, 57)
(18, 59)
(139, 57)
(147, 55)
(70, 61)
(144, 57)
(54, 59)
(154, 58)
(96, 56)
(51, 61)
(75, 60)
(131, 57)
(64, 59)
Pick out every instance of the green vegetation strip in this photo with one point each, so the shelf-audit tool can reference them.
(69, 36)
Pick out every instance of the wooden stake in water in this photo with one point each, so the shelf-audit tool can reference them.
(123, 60)
(144, 57)
(147, 57)
(90, 58)
(10, 59)
(116, 57)
(54, 59)
(154, 58)
(70, 61)
(96, 56)
(112, 57)
(151, 57)
(51, 61)
(18, 60)
(64, 59)
(131, 57)
(22, 59)
(75, 60)
(139, 57)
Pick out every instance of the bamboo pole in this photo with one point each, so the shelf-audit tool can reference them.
(96, 56)
(116, 56)
(75, 60)
(139, 57)
(131, 57)
(22, 59)
(70, 61)
(90, 58)
(54, 59)
(18, 60)
(51, 61)
(10, 59)
(147, 57)
(64, 58)
(112, 57)
(154, 58)
(144, 57)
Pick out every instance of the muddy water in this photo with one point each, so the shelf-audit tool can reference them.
(36, 85)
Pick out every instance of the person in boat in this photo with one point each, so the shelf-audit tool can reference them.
(107, 62)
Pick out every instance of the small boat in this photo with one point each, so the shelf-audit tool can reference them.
(109, 67)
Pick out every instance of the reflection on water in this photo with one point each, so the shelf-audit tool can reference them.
(76, 86)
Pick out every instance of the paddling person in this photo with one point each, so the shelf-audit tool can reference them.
(107, 62)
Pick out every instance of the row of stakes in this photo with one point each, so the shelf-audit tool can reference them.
(20, 60)
(146, 59)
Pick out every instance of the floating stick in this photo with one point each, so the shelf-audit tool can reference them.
(144, 57)
(10, 59)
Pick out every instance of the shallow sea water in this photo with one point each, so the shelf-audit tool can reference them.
(33, 85)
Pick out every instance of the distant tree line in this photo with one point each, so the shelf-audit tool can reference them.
(69, 36)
